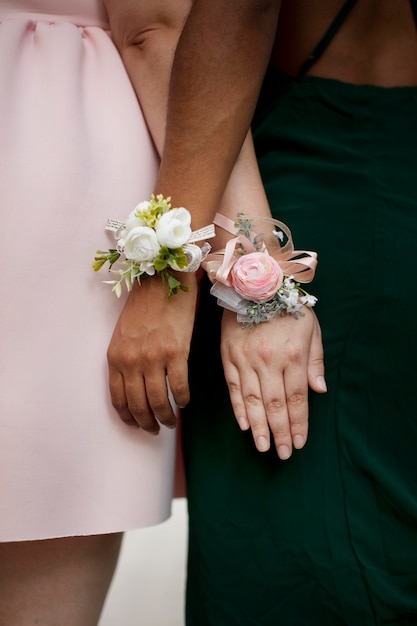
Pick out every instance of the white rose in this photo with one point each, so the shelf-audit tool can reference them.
(174, 228)
(141, 244)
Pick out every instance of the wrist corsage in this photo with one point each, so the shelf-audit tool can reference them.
(155, 239)
(258, 274)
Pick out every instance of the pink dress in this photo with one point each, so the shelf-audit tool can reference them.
(74, 150)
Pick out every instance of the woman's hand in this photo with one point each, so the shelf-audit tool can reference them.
(268, 371)
(150, 347)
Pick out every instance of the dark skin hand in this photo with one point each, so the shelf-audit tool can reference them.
(144, 353)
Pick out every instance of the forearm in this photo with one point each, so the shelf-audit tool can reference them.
(244, 192)
(146, 33)
(217, 73)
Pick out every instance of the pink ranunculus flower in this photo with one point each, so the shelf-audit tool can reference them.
(256, 276)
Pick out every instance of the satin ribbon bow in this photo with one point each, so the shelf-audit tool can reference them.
(301, 264)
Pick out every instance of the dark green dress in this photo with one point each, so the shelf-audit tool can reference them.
(329, 537)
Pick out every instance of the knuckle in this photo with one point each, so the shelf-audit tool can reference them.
(111, 355)
(252, 399)
(318, 361)
(159, 407)
(234, 387)
(180, 388)
(137, 410)
(170, 422)
(294, 352)
(121, 359)
(172, 348)
(150, 356)
(119, 405)
(265, 353)
(296, 399)
(130, 360)
(129, 421)
(144, 419)
(274, 406)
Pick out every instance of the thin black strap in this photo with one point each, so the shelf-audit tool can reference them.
(330, 33)
(414, 7)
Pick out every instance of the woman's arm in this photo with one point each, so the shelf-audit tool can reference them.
(268, 369)
(218, 70)
(151, 340)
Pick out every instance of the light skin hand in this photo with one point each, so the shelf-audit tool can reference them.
(144, 353)
(268, 370)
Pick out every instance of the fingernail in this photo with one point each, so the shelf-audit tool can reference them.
(298, 441)
(321, 383)
(262, 444)
(284, 452)
(243, 423)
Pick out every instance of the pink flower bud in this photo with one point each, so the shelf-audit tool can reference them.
(256, 276)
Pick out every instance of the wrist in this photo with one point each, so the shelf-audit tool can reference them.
(258, 274)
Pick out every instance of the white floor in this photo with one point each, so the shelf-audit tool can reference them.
(148, 588)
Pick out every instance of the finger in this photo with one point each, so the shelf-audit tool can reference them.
(158, 398)
(275, 404)
(177, 373)
(296, 390)
(140, 409)
(231, 375)
(315, 366)
(296, 393)
(118, 397)
(255, 410)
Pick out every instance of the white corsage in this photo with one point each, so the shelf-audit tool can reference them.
(154, 239)
(258, 275)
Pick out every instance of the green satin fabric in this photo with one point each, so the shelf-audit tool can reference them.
(328, 538)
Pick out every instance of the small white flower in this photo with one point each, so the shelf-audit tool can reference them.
(279, 235)
(294, 308)
(289, 282)
(290, 297)
(147, 267)
(133, 221)
(174, 228)
(308, 300)
(141, 244)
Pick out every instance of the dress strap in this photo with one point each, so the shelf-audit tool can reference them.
(331, 32)
(414, 7)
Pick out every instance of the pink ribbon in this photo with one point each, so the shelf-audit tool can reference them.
(298, 263)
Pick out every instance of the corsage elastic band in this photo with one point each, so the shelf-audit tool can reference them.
(258, 274)
(155, 239)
